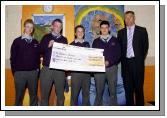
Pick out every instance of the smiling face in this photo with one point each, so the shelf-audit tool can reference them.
(57, 27)
(79, 33)
(28, 28)
(129, 19)
(104, 29)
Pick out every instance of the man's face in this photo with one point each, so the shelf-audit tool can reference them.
(79, 33)
(129, 19)
(57, 27)
(104, 29)
(28, 29)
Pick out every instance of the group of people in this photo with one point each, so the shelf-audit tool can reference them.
(130, 47)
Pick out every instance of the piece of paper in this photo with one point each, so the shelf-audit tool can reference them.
(75, 58)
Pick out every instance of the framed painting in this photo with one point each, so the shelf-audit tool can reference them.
(43, 24)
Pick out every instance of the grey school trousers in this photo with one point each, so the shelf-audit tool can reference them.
(100, 78)
(48, 77)
(80, 80)
(23, 79)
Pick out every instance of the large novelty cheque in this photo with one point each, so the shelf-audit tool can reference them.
(69, 57)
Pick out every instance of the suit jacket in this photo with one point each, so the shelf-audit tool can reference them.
(140, 47)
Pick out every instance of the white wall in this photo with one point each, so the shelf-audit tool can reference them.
(13, 16)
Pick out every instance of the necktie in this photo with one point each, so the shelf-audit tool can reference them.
(55, 37)
(130, 52)
(105, 40)
(28, 40)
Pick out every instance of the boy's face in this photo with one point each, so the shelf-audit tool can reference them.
(28, 29)
(104, 29)
(79, 33)
(57, 27)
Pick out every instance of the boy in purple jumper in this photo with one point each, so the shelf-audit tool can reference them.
(80, 80)
(25, 61)
(112, 54)
(48, 76)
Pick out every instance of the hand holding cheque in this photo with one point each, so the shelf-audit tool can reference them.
(68, 57)
(50, 43)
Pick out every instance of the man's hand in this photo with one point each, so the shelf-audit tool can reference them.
(50, 43)
(106, 63)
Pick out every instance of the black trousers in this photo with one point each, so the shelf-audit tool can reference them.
(23, 79)
(80, 80)
(133, 82)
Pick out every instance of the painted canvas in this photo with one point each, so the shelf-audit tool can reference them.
(43, 22)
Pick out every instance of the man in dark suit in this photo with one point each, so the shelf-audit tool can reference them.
(134, 47)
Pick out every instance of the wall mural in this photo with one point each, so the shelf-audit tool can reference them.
(91, 16)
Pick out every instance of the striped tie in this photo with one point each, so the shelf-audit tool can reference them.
(130, 52)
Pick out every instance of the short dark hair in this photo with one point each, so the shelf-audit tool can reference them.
(130, 12)
(31, 22)
(58, 20)
(80, 26)
(104, 22)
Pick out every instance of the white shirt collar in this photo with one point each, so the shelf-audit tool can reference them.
(108, 37)
(54, 34)
(78, 40)
(26, 37)
(132, 27)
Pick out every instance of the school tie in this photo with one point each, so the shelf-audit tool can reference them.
(105, 41)
(130, 52)
(55, 37)
(28, 40)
